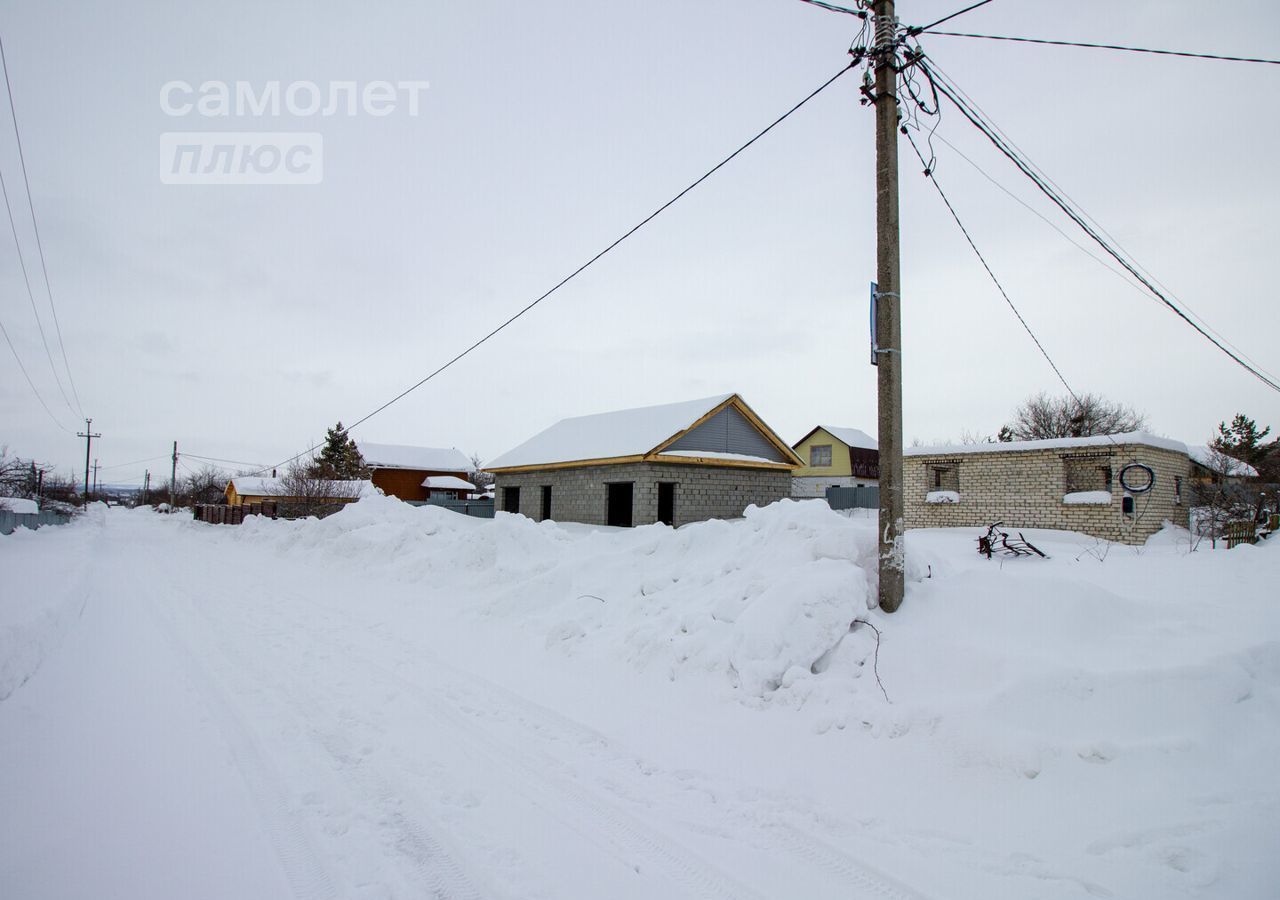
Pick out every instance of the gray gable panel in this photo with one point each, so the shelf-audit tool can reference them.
(729, 431)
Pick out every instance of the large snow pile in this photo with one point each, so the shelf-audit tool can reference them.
(766, 602)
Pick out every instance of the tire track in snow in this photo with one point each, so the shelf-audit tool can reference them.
(481, 694)
(308, 877)
(437, 871)
(631, 837)
(857, 874)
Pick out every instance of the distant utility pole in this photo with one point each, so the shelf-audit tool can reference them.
(88, 436)
(146, 489)
(173, 475)
(95, 478)
(888, 310)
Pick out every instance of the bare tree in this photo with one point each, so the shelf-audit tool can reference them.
(1222, 497)
(207, 485)
(1043, 416)
(306, 493)
(478, 476)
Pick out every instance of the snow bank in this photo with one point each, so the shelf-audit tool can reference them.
(764, 604)
(36, 610)
(19, 505)
(1088, 498)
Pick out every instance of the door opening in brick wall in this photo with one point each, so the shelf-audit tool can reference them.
(511, 499)
(618, 503)
(667, 502)
(546, 502)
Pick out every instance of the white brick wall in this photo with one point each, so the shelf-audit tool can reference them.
(1024, 489)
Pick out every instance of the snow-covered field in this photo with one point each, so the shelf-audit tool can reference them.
(401, 702)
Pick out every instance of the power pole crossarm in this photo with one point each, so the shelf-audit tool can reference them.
(892, 566)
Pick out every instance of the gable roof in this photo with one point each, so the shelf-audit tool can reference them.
(850, 437)
(642, 433)
(404, 456)
(447, 482)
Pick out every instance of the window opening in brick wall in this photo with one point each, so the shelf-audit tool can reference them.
(820, 455)
(1086, 473)
(944, 478)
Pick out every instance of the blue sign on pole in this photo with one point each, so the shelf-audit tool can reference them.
(874, 290)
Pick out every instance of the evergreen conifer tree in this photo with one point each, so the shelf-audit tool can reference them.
(339, 458)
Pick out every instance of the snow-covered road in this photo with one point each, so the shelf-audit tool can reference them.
(276, 711)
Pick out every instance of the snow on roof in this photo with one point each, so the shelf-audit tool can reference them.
(20, 505)
(448, 482)
(627, 432)
(1097, 440)
(248, 486)
(853, 437)
(403, 456)
(1215, 461)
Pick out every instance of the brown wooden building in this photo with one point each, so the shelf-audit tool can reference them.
(417, 473)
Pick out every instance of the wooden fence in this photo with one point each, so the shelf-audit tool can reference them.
(221, 514)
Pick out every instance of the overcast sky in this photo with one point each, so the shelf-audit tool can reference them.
(243, 320)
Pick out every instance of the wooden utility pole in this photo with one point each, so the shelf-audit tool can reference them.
(888, 310)
(146, 489)
(95, 478)
(173, 475)
(88, 436)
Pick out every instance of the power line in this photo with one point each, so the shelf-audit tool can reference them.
(1182, 53)
(27, 375)
(26, 279)
(945, 89)
(582, 268)
(920, 28)
(13, 112)
(1086, 251)
(933, 179)
(234, 462)
(136, 462)
(831, 7)
(939, 72)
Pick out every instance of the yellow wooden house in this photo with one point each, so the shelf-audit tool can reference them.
(835, 457)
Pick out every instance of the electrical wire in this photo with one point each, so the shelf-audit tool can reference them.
(234, 462)
(26, 280)
(22, 159)
(938, 71)
(933, 179)
(1079, 219)
(1182, 53)
(831, 7)
(136, 462)
(920, 28)
(582, 268)
(27, 375)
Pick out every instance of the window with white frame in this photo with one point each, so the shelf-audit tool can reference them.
(820, 455)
